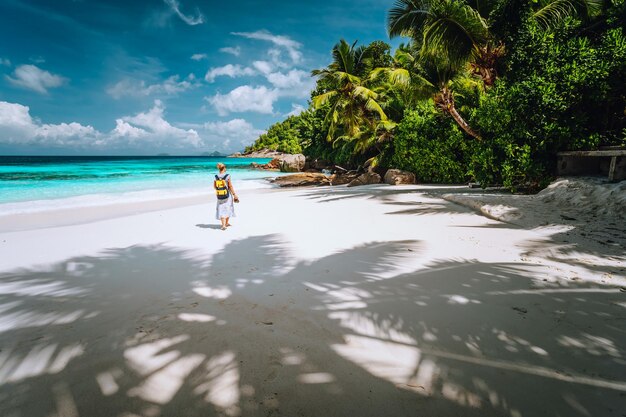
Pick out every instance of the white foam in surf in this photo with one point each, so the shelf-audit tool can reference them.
(104, 199)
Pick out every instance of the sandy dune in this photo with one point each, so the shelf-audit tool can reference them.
(369, 301)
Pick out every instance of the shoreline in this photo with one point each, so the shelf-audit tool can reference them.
(75, 215)
(493, 203)
(72, 216)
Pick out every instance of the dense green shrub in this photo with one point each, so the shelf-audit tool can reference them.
(430, 145)
(562, 92)
(513, 149)
(578, 82)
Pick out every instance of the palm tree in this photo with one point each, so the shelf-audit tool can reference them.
(439, 78)
(456, 30)
(421, 78)
(354, 111)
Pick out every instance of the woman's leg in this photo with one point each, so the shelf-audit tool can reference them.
(224, 221)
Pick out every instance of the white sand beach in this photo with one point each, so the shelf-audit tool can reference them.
(367, 301)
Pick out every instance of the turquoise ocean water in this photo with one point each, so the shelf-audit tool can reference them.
(39, 183)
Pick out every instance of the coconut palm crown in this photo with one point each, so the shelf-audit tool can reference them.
(353, 104)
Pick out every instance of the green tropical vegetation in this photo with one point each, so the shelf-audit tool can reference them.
(482, 90)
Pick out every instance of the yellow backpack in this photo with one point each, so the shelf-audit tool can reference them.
(221, 187)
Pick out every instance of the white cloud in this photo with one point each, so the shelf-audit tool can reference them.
(198, 57)
(264, 67)
(125, 129)
(5, 62)
(245, 98)
(143, 132)
(296, 109)
(190, 20)
(232, 128)
(222, 134)
(159, 129)
(18, 127)
(138, 88)
(236, 130)
(230, 50)
(63, 131)
(15, 122)
(283, 78)
(295, 82)
(34, 78)
(292, 47)
(229, 70)
(276, 57)
(260, 99)
(14, 114)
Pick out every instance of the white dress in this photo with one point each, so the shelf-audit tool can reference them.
(225, 208)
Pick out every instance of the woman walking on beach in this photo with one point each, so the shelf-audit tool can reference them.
(225, 196)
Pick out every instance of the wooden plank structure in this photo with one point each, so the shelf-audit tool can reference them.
(594, 162)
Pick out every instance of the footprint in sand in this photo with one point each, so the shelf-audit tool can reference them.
(271, 376)
(275, 364)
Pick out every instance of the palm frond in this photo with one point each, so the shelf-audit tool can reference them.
(346, 77)
(320, 72)
(425, 83)
(331, 119)
(364, 93)
(436, 72)
(403, 58)
(378, 73)
(373, 162)
(364, 141)
(396, 76)
(339, 139)
(483, 7)
(466, 83)
(553, 12)
(372, 105)
(387, 125)
(342, 56)
(454, 31)
(320, 100)
(400, 76)
(360, 55)
(407, 17)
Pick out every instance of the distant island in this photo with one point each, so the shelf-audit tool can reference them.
(214, 154)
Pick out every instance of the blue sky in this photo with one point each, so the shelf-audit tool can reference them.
(152, 76)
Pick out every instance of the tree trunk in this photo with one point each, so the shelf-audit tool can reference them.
(445, 101)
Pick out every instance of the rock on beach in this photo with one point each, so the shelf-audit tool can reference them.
(365, 179)
(292, 163)
(397, 177)
(302, 179)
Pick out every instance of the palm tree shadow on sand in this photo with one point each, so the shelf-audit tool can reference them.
(151, 330)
